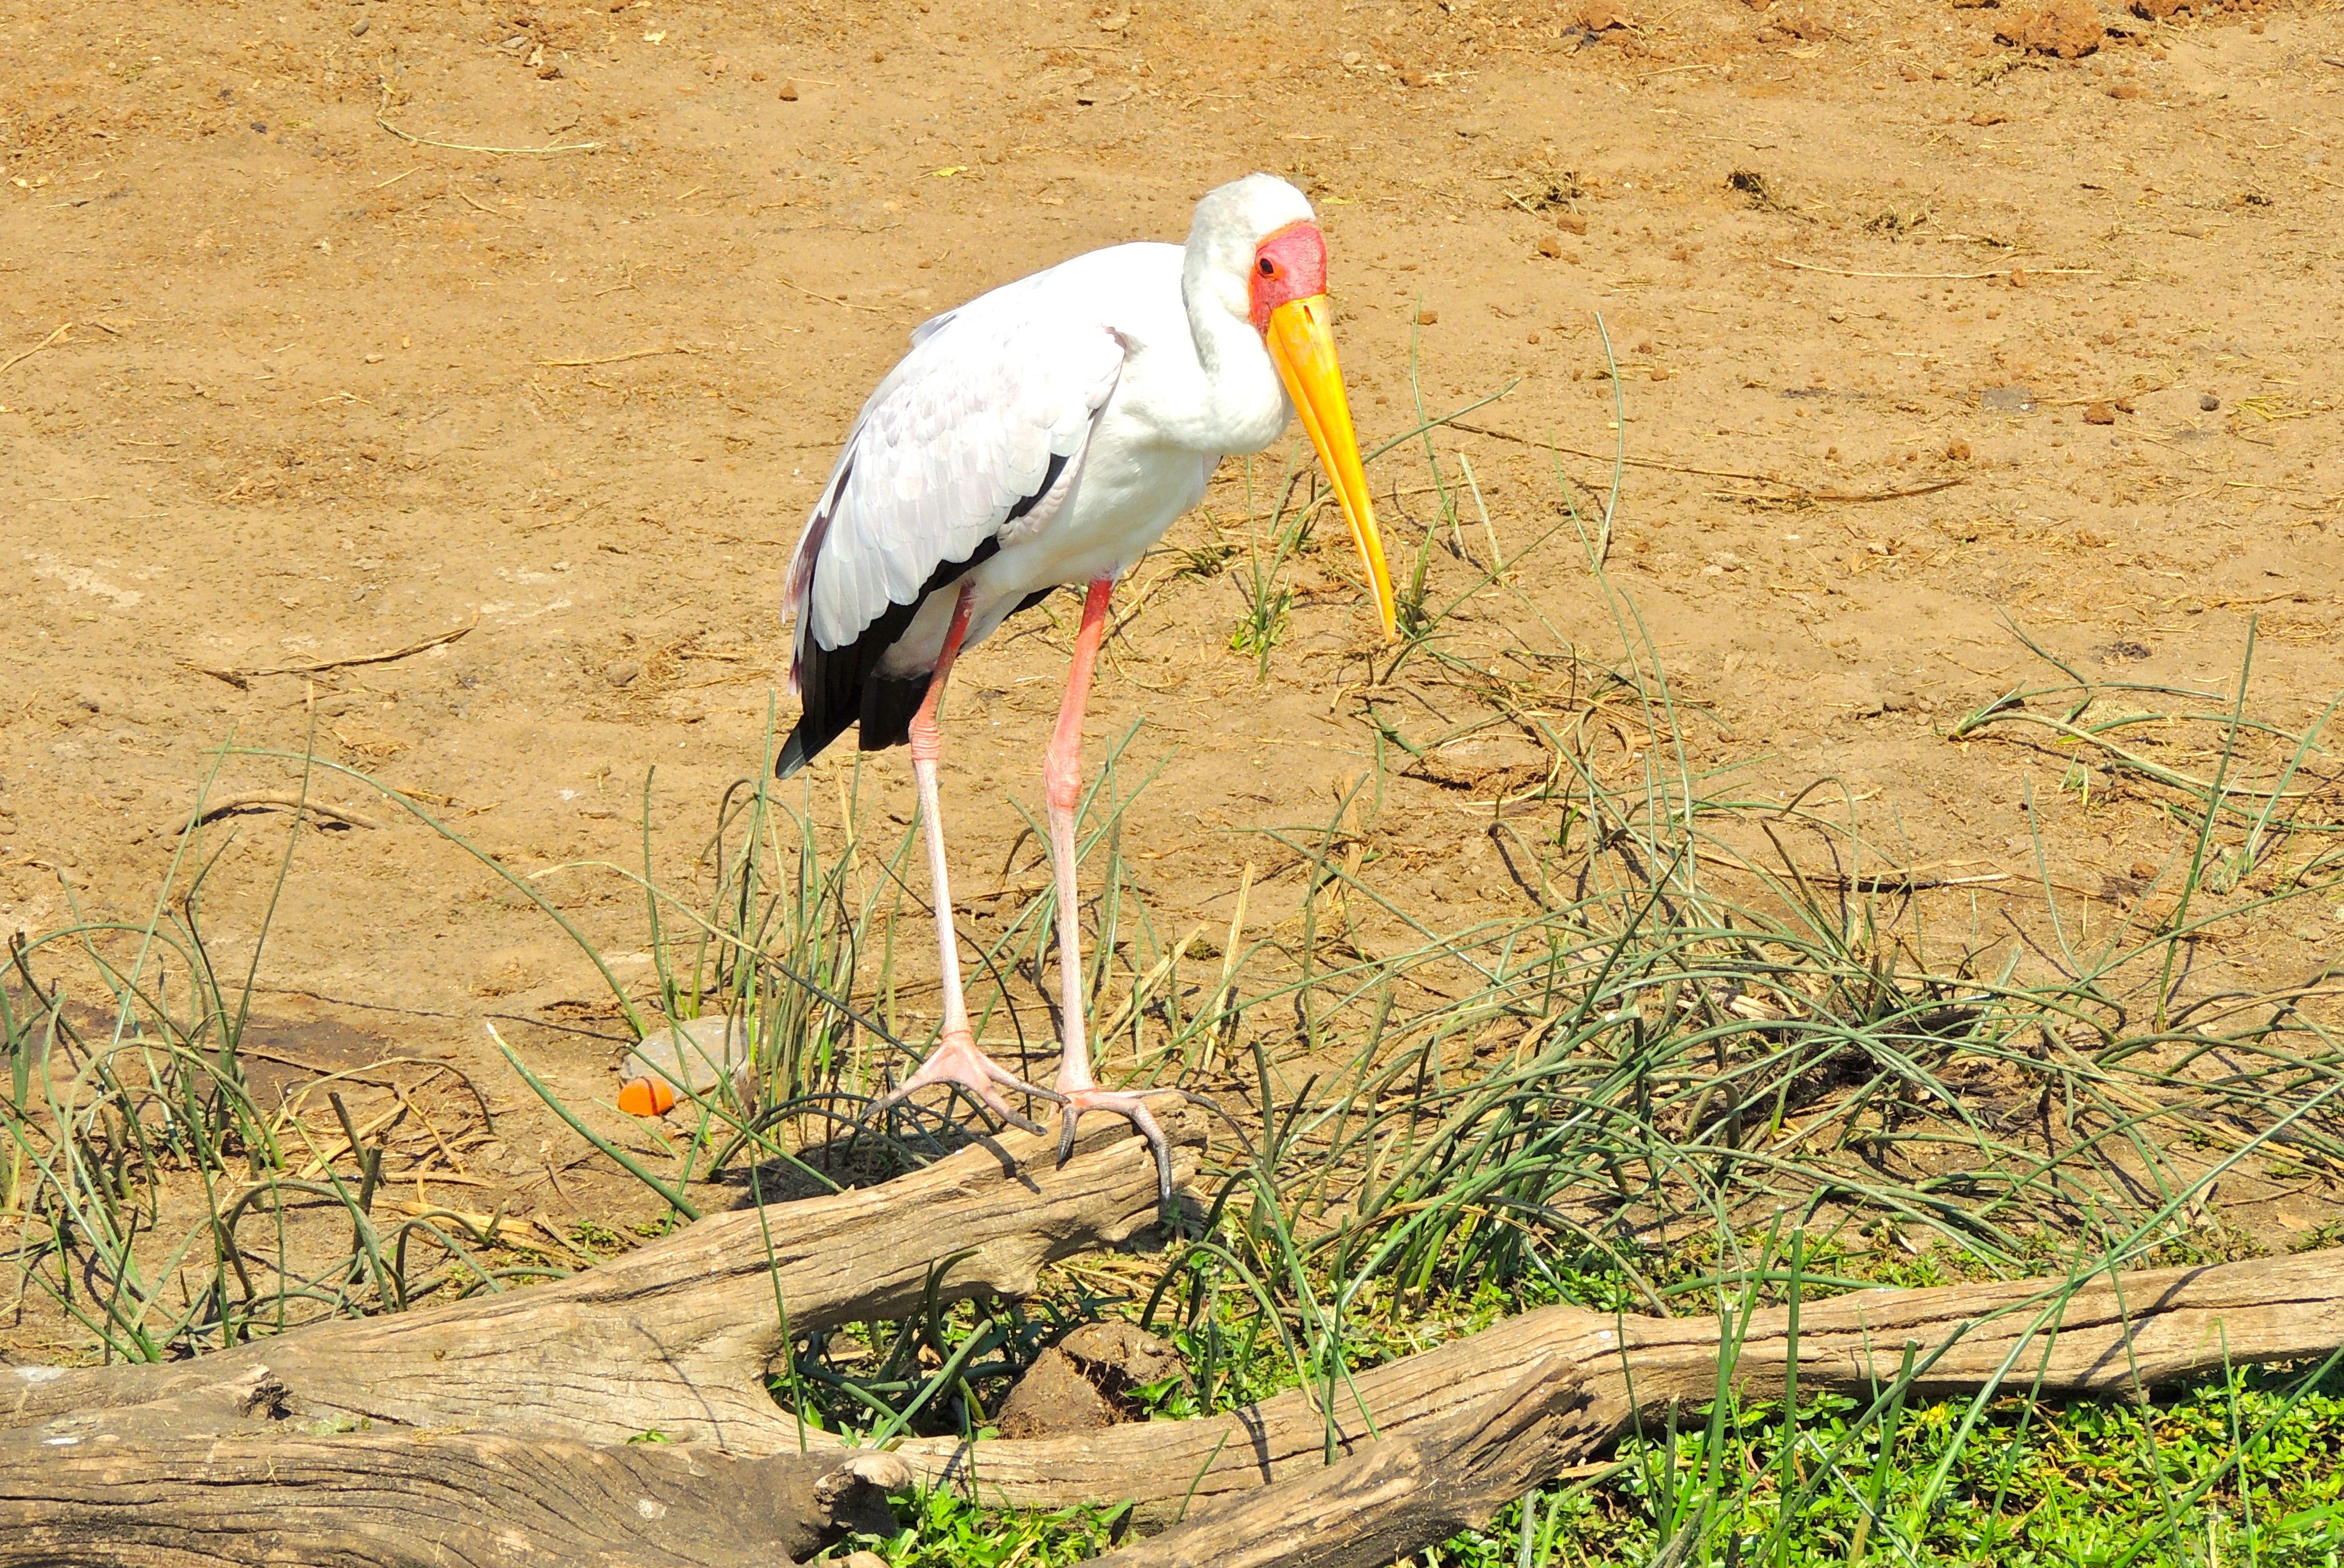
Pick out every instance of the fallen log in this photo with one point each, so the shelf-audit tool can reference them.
(677, 1336)
(529, 1397)
(2102, 1335)
(111, 1491)
(1394, 1498)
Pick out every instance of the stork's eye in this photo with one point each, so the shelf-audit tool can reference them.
(1268, 267)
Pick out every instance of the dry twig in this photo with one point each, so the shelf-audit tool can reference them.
(1930, 277)
(1794, 490)
(254, 799)
(617, 359)
(63, 329)
(242, 677)
(411, 138)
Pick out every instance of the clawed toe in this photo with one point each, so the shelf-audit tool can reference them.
(1132, 1105)
(958, 1062)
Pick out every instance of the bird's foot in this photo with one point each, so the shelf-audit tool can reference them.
(957, 1061)
(1132, 1105)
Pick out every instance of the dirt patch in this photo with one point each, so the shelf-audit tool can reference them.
(321, 339)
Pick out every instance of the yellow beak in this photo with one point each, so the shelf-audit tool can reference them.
(1303, 349)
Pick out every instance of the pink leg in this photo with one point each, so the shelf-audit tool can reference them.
(1062, 787)
(956, 1058)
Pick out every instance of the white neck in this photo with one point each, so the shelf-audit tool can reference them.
(1245, 406)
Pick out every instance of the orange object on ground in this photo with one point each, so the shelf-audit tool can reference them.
(646, 1097)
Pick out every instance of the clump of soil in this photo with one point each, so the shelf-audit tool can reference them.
(1085, 1382)
(2067, 29)
(1804, 25)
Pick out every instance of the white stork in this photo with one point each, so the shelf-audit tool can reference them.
(1044, 435)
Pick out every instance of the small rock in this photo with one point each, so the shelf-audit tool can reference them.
(2143, 870)
(1571, 222)
(2209, 401)
(2099, 412)
(1427, 317)
(863, 1560)
(789, 93)
(623, 674)
(695, 1054)
(1957, 451)
(358, 28)
(1551, 248)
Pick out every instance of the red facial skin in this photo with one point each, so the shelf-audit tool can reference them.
(1290, 265)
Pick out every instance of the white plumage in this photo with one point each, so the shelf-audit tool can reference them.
(1138, 364)
(961, 430)
(1046, 434)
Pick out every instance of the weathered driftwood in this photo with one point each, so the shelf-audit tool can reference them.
(515, 1408)
(677, 1336)
(2101, 1336)
(1393, 1498)
(80, 1491)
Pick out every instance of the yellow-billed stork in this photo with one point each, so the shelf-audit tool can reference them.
(1046, 435)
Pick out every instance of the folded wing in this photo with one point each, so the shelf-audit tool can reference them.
(976, 433)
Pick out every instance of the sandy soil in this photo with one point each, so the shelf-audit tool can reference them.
(332, 388)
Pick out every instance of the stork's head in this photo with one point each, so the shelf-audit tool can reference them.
(1256, 244)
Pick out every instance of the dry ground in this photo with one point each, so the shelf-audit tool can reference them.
(330, 389)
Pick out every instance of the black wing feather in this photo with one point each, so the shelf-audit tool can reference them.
(842, 686)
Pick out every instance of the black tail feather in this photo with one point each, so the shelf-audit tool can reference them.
(794, 755)
(843, 686)
(888, 708)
